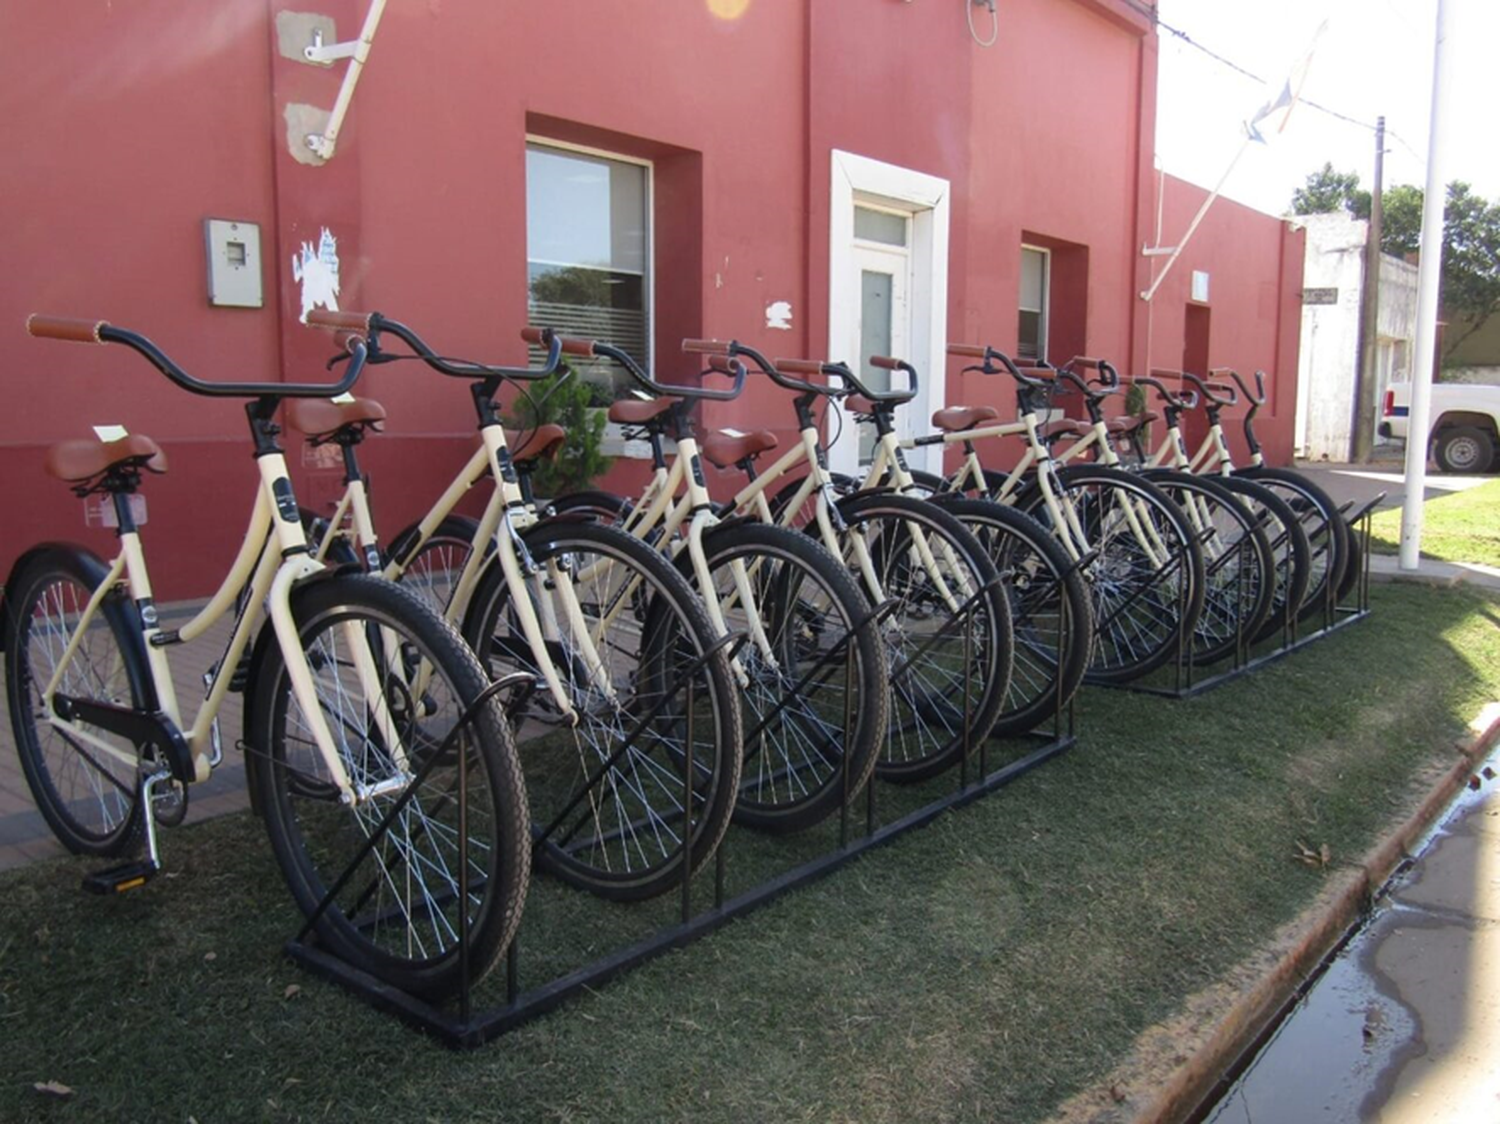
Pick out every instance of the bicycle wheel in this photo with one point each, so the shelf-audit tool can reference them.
(1145, 571)
(1050, 611)
(433, 570)
(1238, 564)
(947, 597)
(392, 681)
(87, 791)
(1327, 533)
(813, 684)
(616, 809)
(1289, 546)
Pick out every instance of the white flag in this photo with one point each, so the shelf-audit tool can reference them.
(1286, 97)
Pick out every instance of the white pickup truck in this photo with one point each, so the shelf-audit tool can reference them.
(1465, 423)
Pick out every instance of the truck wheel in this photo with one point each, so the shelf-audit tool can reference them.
(1463, 448)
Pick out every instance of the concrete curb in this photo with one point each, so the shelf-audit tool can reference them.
(1348, 901)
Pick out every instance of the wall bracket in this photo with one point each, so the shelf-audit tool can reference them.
(322, 145)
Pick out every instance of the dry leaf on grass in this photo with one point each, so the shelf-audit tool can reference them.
(291, 990)
(53, 1089)
(1321, 857)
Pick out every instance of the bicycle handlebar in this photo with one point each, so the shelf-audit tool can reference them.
(373, 323)
(101, 331)
(1208, 390)
(733, 349)
(1258, 398)
(1182, 400)
(723, 364)
(988, 355)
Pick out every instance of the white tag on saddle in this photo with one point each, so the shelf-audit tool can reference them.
(110, 433)
(342, 399)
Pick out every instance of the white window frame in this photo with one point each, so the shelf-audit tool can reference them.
(541, 141)
(1046, 309)
(926, 199)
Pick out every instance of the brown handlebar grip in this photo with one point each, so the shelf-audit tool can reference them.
(65, 328)
(723, 364)
(708, 347)
(967, 350)
(885, 362)
(798, 366)
(339, 321)
(569, 344)
(1085, 361)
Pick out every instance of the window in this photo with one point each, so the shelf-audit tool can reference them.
(588, 249)
(1031, 334)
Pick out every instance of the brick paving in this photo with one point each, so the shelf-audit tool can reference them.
(25, 836)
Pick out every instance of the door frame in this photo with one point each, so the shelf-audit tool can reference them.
(926, 199)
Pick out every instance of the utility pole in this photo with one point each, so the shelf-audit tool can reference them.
(1429, 268)
(1369, 317)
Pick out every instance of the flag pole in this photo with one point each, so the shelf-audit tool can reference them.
(1198, 218)
(1429, 267)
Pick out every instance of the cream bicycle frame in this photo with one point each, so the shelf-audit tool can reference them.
(819, 482)
(505, 516)
(272, 559)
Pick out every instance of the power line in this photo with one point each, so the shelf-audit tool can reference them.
(1191, 42)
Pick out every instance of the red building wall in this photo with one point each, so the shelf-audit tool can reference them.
(124, 126)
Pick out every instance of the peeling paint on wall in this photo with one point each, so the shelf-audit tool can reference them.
(779, 315)
(317, 271)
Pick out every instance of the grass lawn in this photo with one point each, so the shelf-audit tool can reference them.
(984, 968)
(1457, 527)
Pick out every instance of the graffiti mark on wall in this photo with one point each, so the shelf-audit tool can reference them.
(317, 271)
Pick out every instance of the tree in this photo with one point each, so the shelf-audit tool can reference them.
(1470, 286)
(1327, 192)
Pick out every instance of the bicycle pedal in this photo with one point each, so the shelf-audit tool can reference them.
(118, 879)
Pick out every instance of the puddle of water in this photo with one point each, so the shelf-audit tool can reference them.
(1339, 1052)
(1331, 1052)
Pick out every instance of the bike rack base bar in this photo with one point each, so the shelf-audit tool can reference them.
(485, 1026)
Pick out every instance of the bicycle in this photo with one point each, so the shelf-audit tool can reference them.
(813, 674)
(1134, 546)
(1335, 548)
(631, 742)
(1051, 621)
(920, 569)
(1239, 563)
(357, 774)
(1295, 566)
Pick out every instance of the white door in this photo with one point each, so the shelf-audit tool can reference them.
(881, 261)
(888, 291)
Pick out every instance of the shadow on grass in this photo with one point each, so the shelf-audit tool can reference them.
(984, 968)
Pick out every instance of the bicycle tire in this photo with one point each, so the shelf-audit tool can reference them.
(657, 626)
(813, 726)
(1327, 534)
(1050, 611)
(1238, 563)
(432, 570)
(1290, 547)
(396, 916)
(1144, 610)
(931, 688)
(90, 800)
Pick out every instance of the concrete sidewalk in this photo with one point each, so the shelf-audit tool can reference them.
(1404, 1026)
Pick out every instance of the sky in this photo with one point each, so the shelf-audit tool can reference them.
(1375, 57)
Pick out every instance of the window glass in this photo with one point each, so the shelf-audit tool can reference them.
(588, 247)
(1031, 331)
(874, 339)
(880, 226)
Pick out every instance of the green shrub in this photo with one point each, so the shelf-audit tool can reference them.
(569, 400)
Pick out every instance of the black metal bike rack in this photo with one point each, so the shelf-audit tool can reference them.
(463, 1024)
(1334, 616)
